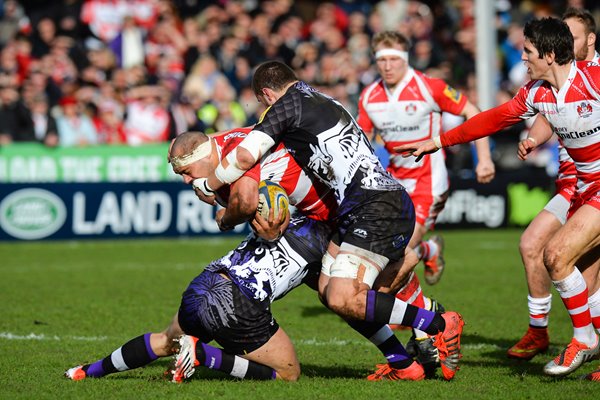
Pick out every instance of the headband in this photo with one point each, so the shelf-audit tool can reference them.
(203, 150)
(392, 52)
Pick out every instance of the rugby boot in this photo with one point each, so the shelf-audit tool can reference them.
(593, 376)
(535, 341)
(448, 344)
(434, 267)
(571, 358)
(427, 356)
(414, 372)
(184, 360)
(76, 373)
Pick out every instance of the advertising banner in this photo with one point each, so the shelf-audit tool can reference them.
(511, 199)
(104, 210)
(123, 191)
(35, 163)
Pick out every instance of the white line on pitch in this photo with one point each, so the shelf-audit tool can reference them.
(302, 342)
(35, 336)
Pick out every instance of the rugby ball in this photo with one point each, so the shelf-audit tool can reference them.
(271, 196)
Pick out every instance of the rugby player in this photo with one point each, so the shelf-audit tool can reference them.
(567, 94)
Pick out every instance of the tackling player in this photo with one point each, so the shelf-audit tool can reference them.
(257, 270)
(567, 93)
(374, 219)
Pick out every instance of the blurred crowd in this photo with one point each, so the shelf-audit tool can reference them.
(84, 72)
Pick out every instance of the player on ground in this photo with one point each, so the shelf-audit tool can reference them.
(230, 300)
(315, 201)
(554, 215)
(567, 93)
(403, 106)
(233, 312)
(374, 218)
(190, 156)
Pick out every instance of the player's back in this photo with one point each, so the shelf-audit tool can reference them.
(326, 141)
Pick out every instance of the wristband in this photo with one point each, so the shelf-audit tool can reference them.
(202, 185)
(532, 140)
(437, 141)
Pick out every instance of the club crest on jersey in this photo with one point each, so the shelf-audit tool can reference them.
(410, 109)
(400, 241)
(452, 94)
(584, 109)
(361, 233)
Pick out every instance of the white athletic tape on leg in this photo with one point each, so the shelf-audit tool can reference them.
(240, 367)
(327, 262)
(350, 258)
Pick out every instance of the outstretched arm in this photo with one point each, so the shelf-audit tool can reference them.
(481, 125)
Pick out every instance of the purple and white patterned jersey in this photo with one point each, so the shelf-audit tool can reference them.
(266, 271)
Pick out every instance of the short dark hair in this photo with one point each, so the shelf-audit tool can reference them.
(551, 35)
(584, 16)
(273, 75)
(389, 39)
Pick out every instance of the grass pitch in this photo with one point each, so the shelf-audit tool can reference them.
(66, 303)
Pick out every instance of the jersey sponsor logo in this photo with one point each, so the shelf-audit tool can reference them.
(410, 109)
(32, 214)
(235, 134)
(548, 112)
(399, 128)
(577, 135)
(584, 109)
(452, 94)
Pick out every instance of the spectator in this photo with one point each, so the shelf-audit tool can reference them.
(147, 119)
(222, 112)
(16, 124)
(44, 124)
(109, 123)
(128, 45)
(74, 127)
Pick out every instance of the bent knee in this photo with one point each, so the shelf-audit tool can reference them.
(291, 374)
(346, 306)
(555, 259)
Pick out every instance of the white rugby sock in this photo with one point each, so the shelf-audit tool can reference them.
(539, 308)
(594, 303)
(574, 294)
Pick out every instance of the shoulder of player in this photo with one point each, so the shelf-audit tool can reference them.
(373, 89)
(228, 140)
(590, 69)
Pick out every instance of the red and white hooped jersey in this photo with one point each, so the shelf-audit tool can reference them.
(573, 112)
(411, 113)
(313, 199)
(567, 173)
